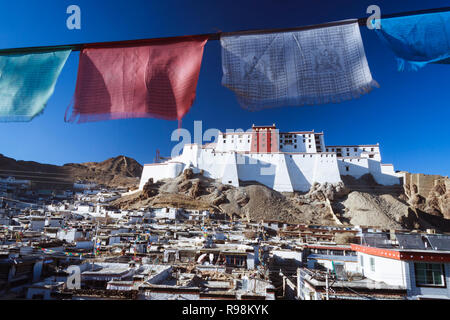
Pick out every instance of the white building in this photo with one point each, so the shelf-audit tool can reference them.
(283, 161)
(14, 181)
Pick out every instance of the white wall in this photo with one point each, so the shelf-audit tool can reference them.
(389, 271)
(160, 171)
(231, 161)
(284, 254)
(358, 167)
(280, 171)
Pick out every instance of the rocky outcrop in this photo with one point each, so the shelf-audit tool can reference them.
(330, 191)
(150, 190)
(429, 193)
(194, 192)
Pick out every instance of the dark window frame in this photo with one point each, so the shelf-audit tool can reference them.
(443, 285)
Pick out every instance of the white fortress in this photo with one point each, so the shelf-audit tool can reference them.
(283, 161)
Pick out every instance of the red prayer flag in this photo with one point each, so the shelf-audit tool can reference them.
(156, 79)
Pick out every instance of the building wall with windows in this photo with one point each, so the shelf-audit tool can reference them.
(424, 274)
(382, 269)
(428, 280)
(237, 141)
(371, 151)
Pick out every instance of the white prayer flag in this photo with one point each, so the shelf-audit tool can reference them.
(307, 67)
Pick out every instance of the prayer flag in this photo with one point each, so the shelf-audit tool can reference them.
(157, 79)
(418, 39)
(27, 81)
(308, 67)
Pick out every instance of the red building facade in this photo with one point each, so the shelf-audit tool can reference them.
(265, 139)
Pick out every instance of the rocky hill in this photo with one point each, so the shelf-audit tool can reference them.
(353, 202)
(114, 172)
(428, 193)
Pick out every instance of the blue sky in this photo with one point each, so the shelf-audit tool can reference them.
(408, 115)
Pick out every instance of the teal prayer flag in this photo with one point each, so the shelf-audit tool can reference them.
(26, 83)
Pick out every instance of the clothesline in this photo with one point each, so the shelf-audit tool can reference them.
(210, 36)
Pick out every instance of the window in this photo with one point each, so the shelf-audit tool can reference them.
(347, 169)
(372, 264)
(429, 274)
(295, 146)
(355, 149)
(371, 156)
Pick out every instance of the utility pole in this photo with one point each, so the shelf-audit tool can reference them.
(326, 284)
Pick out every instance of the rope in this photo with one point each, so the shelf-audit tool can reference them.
(211, 36)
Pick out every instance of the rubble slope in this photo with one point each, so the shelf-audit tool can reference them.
(325, 204)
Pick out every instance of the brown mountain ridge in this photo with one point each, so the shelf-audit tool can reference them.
(120, 171)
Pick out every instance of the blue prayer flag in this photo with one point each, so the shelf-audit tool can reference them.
(417, 40)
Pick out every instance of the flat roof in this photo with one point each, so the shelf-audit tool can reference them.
(404, 254)
(356, 145)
